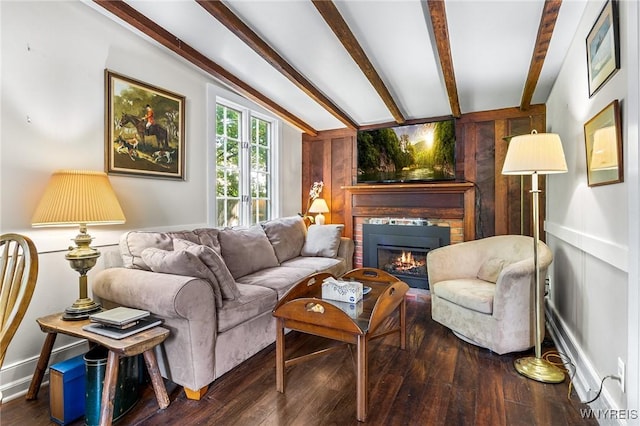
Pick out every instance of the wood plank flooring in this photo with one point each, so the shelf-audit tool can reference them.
(437, 380)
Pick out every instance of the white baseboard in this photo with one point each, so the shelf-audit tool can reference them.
(16, 378)
(585, 381)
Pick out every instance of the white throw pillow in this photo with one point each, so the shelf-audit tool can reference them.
(322, 240)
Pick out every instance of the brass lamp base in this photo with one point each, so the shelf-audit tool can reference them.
(81, 309)
(538, 369)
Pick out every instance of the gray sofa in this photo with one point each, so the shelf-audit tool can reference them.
(215, 288)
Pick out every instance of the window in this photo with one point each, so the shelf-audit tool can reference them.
(244, 178)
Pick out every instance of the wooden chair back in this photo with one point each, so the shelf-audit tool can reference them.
(19, 272)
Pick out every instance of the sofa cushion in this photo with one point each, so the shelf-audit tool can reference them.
(253, 301)
(209, 237)
(286, 236)
(333, 266)
(215, 263)
(279, 278)
(181, 262)
(322, 240)
(472, 294)
(246, 250)
(490, 269)
(134, 242)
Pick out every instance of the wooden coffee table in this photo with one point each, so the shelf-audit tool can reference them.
(139, 343)
(304, 310)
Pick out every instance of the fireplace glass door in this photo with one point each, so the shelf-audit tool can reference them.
(403, 261)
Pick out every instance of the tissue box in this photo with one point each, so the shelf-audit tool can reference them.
(342, 291)
(352, 309)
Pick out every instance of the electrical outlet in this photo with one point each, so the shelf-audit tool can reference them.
(621, 373)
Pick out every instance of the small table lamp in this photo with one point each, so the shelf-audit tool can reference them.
(79, 198)
(536, 154)
(319, 206)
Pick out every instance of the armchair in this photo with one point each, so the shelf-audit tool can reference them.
(483, 290)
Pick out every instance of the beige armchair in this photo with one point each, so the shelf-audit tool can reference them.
(483, 290)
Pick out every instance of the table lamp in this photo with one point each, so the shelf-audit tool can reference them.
(319, 206)
(536, 154)
(79, 198)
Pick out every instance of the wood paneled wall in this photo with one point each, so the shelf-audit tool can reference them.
(503, 203)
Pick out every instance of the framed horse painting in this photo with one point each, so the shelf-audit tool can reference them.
(145, 129)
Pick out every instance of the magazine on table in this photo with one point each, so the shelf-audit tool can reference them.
(117, 333)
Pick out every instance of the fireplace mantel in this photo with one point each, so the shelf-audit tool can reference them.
(439, 200)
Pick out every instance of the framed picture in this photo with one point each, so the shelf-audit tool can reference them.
(603, 143)
(144, 129)
(603, 52)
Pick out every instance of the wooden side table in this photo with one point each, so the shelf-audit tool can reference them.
(140, 343)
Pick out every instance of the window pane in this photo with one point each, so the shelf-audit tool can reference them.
(233, 213)
(221, 183)
(232, 123)
(233, 184)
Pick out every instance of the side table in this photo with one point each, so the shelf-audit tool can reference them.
(140, 343)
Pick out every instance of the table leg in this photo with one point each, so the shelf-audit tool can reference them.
(156, 379)
(362, 374)
(41, 367)
(280, 355)
(109, 389)
(403, 324)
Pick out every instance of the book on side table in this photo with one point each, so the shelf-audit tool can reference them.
(121, 322)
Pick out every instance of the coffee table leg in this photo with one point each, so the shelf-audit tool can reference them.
(362, 374)
(280, 355)
(109, 389)
(403, 324)
(41, 367)
(156, 379)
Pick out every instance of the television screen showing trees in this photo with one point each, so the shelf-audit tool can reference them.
(414, 153)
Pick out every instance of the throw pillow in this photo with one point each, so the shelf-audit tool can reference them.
(490, 269)
(132, 244)
(286, 236)
(322, 240)
(183, 263)
(215, 263)
(246, 250)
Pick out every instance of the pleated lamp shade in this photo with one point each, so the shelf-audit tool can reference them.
(76, 197)
(540, 153)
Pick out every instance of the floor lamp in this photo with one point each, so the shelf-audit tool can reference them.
(536, 154)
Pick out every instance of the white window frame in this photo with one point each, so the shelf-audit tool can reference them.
(248, 111)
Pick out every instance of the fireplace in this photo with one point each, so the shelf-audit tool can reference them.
(402, 250)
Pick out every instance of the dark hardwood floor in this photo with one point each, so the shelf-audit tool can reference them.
(437, 380)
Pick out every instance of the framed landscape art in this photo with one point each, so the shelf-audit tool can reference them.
(144, 129)
(603, 146)
(603, 51)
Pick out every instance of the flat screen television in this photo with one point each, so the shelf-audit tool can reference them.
(412, 153)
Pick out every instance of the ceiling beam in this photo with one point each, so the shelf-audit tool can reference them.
(145, 25)
(234, 24)
(438, 16)
(545, 31)
(340, 28)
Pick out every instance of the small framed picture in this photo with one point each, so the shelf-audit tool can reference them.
(144, 129)
(603, 51)
(603, 146)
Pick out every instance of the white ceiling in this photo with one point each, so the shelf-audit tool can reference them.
(491, 46)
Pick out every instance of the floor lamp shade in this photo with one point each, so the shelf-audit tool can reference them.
(79, 198)
(535, 154)
(539, 153)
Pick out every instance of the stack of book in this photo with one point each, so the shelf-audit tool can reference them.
(121, 322)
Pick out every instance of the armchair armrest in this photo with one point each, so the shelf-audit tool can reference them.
(455, 261)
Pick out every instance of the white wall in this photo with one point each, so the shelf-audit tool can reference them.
(52, 117)
(588, 228)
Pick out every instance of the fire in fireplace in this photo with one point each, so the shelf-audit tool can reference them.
(403, 261)
(402, 250)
